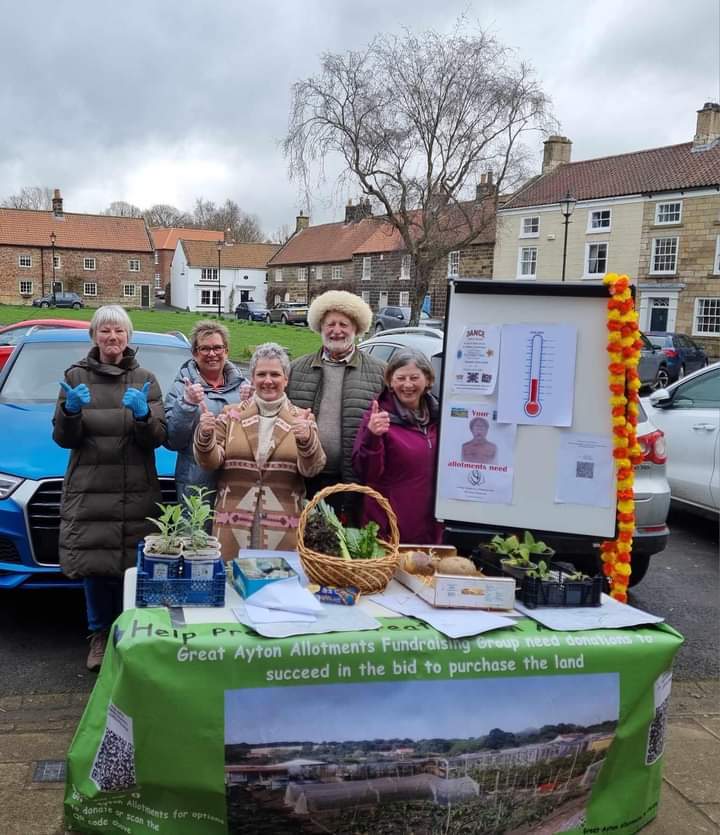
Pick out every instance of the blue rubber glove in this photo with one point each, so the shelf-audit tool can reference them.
(136, 401)
(75, 398)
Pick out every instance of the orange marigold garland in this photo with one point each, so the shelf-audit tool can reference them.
(624, 383)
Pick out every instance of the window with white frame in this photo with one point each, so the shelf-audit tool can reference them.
(365, 295)
(530, 227)
(26, 288)
(668, 212)
(90, 288)
(716, 264)
(707, 317)
(302, 274)
(405, 265)
(454, 263)
(157, 281)
(404, 298)
(278, 274)
(319, 272)
(596, 258)
(210, 297)
(134, 265)
(128, 289)
(89, 263)
(57, 263)
(527, 262)
(25, 261)
(599, 220)
(664, 256)
(337, 272)
(157, 257)
(286, 297)
(278, 298)
(366, 268)
(209, 274)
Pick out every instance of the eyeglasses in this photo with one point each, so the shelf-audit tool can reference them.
(211, 349)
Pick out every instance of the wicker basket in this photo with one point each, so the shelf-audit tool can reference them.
(371, 575)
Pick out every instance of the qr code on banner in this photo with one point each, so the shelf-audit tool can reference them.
(114, 765)
(656, 734)
(584, 469)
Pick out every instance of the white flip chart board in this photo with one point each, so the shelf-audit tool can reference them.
(551, 391)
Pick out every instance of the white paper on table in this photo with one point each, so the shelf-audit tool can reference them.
(476, 360)
(536, 381)
(332, 618)
(611, 614)
(259, 614)
(287, 595)
(585, 470)
(455, 623)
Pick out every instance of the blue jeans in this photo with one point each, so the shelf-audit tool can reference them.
(103, 599)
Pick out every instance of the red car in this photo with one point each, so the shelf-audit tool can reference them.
(10, 335)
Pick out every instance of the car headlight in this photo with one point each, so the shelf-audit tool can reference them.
(8, 485)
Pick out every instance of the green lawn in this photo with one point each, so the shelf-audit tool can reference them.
(244, 336)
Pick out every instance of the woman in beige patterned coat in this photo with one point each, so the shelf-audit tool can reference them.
(263, 448)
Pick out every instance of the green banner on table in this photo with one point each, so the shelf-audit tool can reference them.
(204, 729)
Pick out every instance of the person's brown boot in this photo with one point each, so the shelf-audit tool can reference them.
(98, 642)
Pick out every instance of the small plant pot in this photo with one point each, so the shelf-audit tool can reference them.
(519, 572)
(162, 566)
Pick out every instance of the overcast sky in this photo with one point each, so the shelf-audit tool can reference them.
(152, 101)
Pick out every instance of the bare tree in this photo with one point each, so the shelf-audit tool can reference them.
(416, 120)
(161, 214)
(230, 218)
(281, 235)
(119, 208)
(30, 197)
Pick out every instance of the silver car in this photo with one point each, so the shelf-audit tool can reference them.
(396, 316)
(653, 366)
(652, 491)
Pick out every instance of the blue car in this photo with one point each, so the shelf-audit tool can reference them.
(251, 311)
(32, 465)
(683, 354)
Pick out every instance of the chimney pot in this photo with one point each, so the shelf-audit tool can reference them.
(57, 203)
(301, 222)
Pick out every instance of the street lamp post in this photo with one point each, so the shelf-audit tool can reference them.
(219, 252)
(567, 206)
(52, 246)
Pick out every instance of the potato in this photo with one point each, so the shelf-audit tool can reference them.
(418, 562)
(459, 566)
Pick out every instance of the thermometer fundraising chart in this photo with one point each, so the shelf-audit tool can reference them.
(537, 374)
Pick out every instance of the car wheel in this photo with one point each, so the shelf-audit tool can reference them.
(44, 304)
(284, 319)
(662, 378)
(639, 564)
(76, 306)
(268, 320)
(378, 327)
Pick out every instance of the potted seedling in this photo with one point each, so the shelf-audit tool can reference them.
(518, 556)
(162, 552)
(555, 585)
(200, 549)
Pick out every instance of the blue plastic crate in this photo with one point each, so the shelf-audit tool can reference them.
(179, 591)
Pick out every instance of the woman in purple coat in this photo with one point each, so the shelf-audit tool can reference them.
(394, 450)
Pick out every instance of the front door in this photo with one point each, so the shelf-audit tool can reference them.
(244, 295)
(659, 309)
(383, 300)
(145, 295)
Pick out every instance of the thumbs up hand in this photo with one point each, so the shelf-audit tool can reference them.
(302, 424)
(136, 401)
(75, 398)
(206, 426)
(379, 422)
(193, 393)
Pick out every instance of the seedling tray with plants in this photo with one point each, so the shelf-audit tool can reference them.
(560, 587)
(179, 591)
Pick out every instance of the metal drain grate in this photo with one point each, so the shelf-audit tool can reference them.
(49, 771)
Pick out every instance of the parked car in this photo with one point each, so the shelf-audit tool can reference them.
(32, 465)
(394, 316)
(684, 355)
(60, 300)
(653, 366)
(10, 335)
(652, 491)
(252, 311)
(288, 313)
(688, 412)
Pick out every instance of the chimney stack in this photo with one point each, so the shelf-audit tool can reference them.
(557, 151)
(708, 125)
(355, 213)
(485, 187)
(301, 222)
(57, 203)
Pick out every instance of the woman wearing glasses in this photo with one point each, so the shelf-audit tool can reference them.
(209, 378)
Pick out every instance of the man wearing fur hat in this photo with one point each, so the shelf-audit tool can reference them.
(338, 382)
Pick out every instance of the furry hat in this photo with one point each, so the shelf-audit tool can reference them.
(343, 302)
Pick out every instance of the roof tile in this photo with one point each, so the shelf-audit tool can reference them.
(235, 256)
(166, 237)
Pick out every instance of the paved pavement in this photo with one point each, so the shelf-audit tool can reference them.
(35, 732)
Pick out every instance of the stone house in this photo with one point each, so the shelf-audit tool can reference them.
(207, 276)
(652, 214)
(165, 240)
(106, 260)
